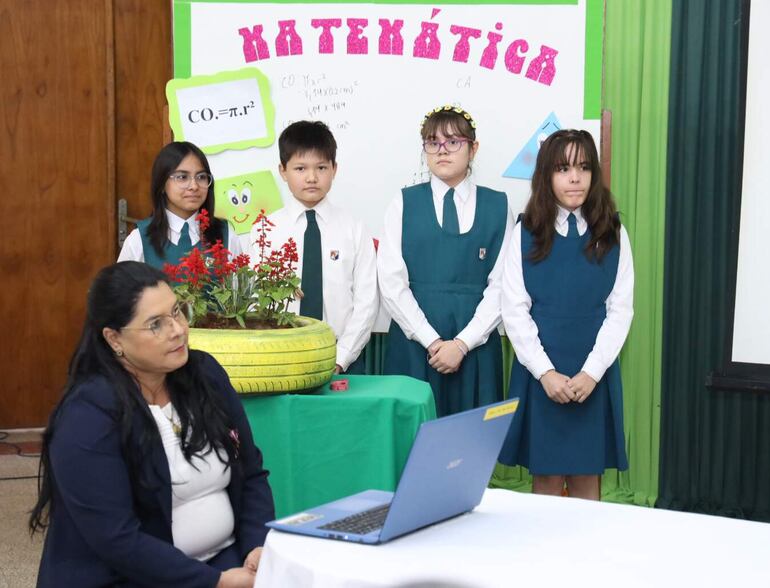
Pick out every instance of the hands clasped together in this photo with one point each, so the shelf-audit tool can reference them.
(446, 356)
(563, 389)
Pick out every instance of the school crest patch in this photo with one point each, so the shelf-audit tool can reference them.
(482, 253)
(334, 254)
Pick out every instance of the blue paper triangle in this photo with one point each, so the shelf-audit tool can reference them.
(523, 166)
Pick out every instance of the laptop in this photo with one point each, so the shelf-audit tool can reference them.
(446, 473)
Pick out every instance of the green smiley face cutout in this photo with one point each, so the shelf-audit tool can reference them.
(240, 198)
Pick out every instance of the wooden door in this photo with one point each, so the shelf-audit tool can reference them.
(66, 69)
(143, 65)
(56, 147)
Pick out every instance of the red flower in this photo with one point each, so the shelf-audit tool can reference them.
(172, 271)
(217, 285)
(193, 267)
(203, 219)
(220, 259)
(243, 260)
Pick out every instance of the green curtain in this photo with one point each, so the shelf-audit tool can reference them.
(636, 66)
(715, 445)
(636, 86)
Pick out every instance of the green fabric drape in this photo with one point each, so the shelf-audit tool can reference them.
(636, 61)
(715, 445)
(636, 86)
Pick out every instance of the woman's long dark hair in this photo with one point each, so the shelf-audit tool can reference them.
(165, 164)
(598, 210)
(112, 302)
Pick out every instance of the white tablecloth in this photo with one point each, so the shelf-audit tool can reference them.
(514, 539)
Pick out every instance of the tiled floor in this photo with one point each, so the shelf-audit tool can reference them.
(20, 442)
(20, 554)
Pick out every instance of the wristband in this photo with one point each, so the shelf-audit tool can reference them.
(460, 347)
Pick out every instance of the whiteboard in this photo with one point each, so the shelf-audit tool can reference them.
(374, 102)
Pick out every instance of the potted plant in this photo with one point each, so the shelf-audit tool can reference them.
(238, 312)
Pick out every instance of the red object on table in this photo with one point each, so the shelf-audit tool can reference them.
(339, 385)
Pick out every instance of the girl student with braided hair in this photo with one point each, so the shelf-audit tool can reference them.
(440, 271)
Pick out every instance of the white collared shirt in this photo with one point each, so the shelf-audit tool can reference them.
(132, 247)
(348, 261)
(522, 330)
(394, 277)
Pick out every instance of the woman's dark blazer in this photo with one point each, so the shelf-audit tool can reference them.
(104, 533)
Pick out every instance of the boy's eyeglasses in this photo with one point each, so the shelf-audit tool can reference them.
(184, 180)
(162, 326)
(450, 145)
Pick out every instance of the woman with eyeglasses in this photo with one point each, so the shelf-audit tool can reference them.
(439, 269)
(149, 473)
(181, 186)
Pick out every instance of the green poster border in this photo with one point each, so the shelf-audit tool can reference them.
(181, 19)
(592, 76)
(226, 76)
(594, 38)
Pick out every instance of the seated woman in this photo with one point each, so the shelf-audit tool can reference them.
(181, 187)
(150, 476)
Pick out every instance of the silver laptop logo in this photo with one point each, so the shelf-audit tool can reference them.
(454, 463)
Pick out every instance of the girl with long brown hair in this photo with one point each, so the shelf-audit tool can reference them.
(567, 306)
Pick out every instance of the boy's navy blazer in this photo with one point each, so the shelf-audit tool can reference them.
(103, 533)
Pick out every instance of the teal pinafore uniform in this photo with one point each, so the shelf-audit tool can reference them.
(447, 276)
(568, 293)
(173, 253)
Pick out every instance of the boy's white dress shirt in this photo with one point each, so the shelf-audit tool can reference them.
(394, 277)
(348, 259)
(522, 330)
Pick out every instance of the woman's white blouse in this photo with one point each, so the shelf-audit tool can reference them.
(202, 521)
(132, 247)
(393, 275)
(522, 330)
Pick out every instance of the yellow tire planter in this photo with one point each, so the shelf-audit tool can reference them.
(272, 361)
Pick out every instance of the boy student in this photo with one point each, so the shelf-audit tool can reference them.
(337, 260)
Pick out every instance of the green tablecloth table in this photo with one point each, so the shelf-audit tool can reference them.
(323, 446)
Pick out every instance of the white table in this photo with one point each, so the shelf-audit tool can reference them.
(514, 539)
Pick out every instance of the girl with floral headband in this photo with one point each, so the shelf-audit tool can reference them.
(567, 307)
(439, 267)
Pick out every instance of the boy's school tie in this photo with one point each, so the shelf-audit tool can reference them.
(451, 225)
(312, 303)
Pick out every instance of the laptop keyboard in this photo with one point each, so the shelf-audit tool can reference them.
(360, 523)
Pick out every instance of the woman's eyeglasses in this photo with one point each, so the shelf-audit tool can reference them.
(163, 325)
(185, 180)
